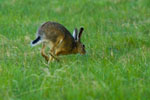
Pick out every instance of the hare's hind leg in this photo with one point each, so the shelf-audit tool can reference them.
(43, 52)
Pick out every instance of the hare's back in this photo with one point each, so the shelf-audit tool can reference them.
(52, 31)
(54, 28)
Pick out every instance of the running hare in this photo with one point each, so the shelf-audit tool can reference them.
(59, 39)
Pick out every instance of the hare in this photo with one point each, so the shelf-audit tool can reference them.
(59, 39)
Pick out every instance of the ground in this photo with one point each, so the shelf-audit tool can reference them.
(117, 40)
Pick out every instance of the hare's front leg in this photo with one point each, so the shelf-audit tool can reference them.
(53, 51)
(61, 52)
(43, 52)
(52, 56)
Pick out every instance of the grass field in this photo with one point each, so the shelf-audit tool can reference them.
(117, 40)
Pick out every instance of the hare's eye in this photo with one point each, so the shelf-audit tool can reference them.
(83, 46)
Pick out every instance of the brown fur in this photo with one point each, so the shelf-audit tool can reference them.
(59, 39)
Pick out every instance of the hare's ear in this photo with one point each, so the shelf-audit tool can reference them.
(75, 32)
(80, 33)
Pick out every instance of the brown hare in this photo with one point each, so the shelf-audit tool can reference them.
(59, 39)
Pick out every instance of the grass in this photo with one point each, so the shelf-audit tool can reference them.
(117, 39)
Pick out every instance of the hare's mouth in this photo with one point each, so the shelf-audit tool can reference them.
(83, 53)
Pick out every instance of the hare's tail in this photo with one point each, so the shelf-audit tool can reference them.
(36, 41)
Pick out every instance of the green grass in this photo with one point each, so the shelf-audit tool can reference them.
(117, 39)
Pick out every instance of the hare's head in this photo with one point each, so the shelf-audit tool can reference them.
(80, 47)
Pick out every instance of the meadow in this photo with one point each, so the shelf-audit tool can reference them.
(115, 67)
